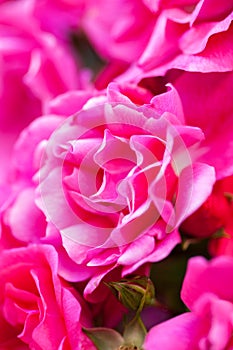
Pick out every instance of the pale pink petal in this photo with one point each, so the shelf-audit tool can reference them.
(169, 102)
(134, 252)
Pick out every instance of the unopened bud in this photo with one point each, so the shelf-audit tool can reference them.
(134, 293)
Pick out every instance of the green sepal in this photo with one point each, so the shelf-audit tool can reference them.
(104, 338)
(229, 196)
(221, 233)
(135, 332)
(134, 293)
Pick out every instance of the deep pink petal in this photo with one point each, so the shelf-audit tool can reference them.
(179, 333)
(215, 276)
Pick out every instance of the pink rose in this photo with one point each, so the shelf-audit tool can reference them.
(207, 292)
(37, 307)
(188, 35)
(118, 176)
(148, 38)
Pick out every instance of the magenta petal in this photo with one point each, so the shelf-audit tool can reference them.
(215, 276)
(18, 214)
(212, 10)
(216, 318)
(68, 103)
(177, 333)
(169, 102)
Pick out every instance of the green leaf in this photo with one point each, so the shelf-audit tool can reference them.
(104, 338)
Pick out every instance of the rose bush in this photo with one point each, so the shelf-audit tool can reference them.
(103, 184)
(104, 172)
(38, 309)
(207, 292)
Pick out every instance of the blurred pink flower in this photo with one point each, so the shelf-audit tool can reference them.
(31, 72)
(193, 36)
(59, 17)
(120, 24)
(207, 292)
